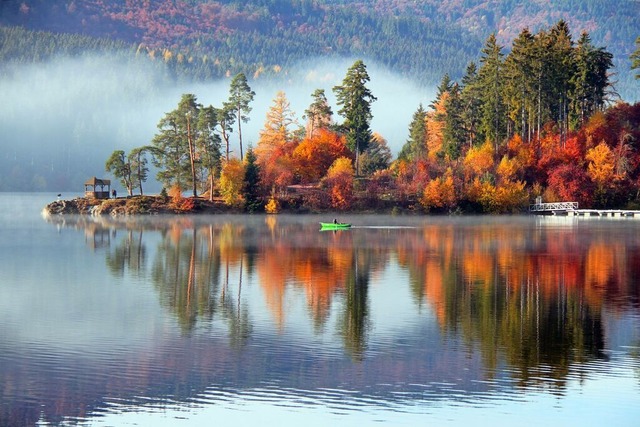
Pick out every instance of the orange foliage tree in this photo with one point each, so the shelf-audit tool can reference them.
(439, 193)
(339, 181)
(314, 155)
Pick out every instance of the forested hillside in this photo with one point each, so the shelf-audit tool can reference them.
(207, 39)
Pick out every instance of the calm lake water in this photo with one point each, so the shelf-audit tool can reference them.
(265, 320)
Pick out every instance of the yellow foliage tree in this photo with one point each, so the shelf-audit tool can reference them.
(507, 168)
(601, 164)
(231, 182)
(479, 160)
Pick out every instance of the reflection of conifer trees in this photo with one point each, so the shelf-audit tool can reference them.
(355, 323)
(186, 273)
(233, 312)
(129, 253)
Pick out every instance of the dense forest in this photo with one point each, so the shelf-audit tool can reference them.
(205, 39)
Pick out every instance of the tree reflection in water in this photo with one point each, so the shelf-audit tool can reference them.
(528, 296)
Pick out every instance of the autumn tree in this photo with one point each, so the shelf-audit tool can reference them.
(355, 100)
(439, 193)
(601, 167)
(314, 155)
(279, 120)
(339, 182)
(276, 144)
(232, 182)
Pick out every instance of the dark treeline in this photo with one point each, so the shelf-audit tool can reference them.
(207, 39)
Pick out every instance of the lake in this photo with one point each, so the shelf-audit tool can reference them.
(265, 320)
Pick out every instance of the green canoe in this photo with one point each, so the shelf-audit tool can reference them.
(334, 226)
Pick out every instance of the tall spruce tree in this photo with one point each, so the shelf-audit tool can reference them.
(355, 100)
(416, 146)
(561, 56)
(491, 82)
(471, 103)
(251, 186)
(453, 133)
(520, 82)
(591, 79)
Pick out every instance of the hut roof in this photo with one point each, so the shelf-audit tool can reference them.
(97, 181)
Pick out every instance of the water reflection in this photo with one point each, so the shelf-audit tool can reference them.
(492, 305)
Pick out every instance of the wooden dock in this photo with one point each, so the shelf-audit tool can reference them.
(571, 209)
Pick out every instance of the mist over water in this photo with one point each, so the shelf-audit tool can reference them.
(61, 120)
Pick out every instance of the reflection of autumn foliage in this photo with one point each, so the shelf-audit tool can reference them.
(512, 289)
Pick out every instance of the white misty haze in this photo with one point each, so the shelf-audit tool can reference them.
(68, 115)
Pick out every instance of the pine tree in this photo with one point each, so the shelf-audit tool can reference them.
(138, 164)
(319, 114)
(251, 189)
(120, 167)
(209, 145)
(453, 133)
(471, 103)
(185, 144)
(520, 81)
(590, 80)
(491, 82)
(416, 146)
(240, 96)
(355, 100)
(563, 67)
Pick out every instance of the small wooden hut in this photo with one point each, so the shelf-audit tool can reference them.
(97, 188)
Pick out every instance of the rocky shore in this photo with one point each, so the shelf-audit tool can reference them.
(136, 205)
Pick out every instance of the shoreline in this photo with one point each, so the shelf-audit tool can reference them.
(159, 205)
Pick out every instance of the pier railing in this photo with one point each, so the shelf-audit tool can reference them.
(553, 207)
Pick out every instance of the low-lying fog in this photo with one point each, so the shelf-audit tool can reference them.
(60, 121)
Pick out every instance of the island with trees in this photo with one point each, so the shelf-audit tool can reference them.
(539, 121)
